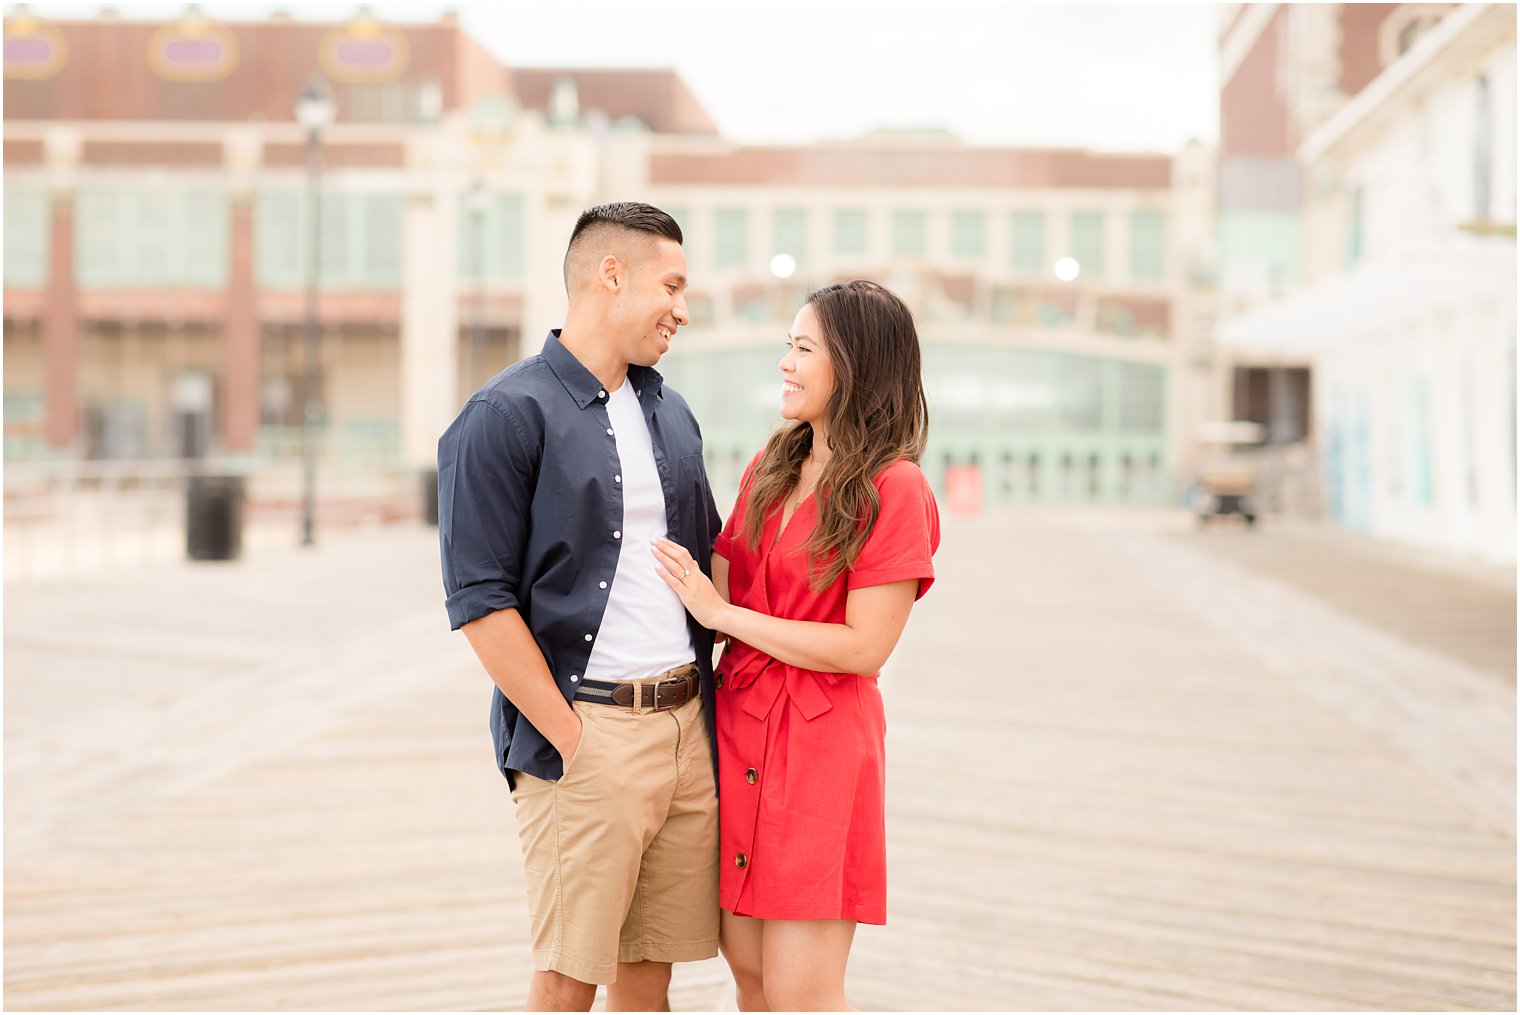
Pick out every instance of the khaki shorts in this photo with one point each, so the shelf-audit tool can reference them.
(621, 853)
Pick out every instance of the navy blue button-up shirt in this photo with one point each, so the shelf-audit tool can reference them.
(529, 518)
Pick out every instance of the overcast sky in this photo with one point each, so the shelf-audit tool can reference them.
(1094, 76)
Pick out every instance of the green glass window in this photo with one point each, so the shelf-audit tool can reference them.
(203, 242)
(512, 235)
(164, 239)
(382, 248)
(1080, 393)
(1028, 240)
(732, 229)
(790, 233)
(968, 233)
(495, 234)
(374, 238)
(361, 240)
(335, 214)
(683, 217)
(1142, 398)
(849, 231)
(279, 244)
(910, 232)
(1087, 241)
(473, 233)
(1147, 245)
(27, 237)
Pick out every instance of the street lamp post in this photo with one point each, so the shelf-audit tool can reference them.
(314, 111)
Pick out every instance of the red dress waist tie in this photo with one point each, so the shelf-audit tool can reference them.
(766, 678)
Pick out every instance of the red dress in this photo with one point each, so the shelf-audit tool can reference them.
(801, 754)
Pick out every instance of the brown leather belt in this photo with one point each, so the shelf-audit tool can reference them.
(669, 690)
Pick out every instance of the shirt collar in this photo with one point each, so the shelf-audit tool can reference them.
(582, 383)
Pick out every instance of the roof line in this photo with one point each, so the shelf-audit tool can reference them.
(1396, 77)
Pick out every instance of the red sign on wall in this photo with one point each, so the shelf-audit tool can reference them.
(963, 489)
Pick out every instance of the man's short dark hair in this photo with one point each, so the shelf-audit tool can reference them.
(634, 215)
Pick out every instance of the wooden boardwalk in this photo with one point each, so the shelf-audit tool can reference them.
(1114, 784)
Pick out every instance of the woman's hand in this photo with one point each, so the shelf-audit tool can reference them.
(681, 573)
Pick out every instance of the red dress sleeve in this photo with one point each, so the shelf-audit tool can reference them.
(723, 546)
(902, 544)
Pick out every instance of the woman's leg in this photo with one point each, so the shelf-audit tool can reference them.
(739, 940)
(803, 964)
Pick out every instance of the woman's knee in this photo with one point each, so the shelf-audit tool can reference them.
(748, 973)
(749, 986)
(741, 947)
(788, 992)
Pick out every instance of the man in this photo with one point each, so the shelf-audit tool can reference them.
(552, 484)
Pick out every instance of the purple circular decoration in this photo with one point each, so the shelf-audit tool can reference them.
(28, 50)
(365, 53)
(199, 51)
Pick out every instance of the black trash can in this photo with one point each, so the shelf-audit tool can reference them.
(214, 518)
(430, 497)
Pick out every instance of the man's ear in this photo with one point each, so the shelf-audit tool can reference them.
(610, 273)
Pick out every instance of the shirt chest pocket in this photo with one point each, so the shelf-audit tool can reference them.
(691, 497)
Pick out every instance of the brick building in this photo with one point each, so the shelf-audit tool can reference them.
(158, 247)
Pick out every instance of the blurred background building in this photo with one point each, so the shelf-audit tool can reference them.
(1367, 261)
(157, 250)
(1339, 270)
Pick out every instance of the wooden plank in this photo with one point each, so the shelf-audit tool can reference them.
(1122, 808)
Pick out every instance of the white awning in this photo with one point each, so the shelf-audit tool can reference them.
(1377, 296)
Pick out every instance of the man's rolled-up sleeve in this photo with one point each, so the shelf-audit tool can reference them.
(485, 487)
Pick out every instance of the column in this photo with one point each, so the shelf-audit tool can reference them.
(242, 349)
(429, 324)
(242, 339)
(550, 218)
(568, 178)
(60, 315)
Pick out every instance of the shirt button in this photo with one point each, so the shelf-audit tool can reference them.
(609, 431)
(751, 776)
(637, 392)
(718, 680)
(588, 637)
(617, 479)
(574, 677)
(601, 394)
(601, 585)
(617, 534)
(741, 861)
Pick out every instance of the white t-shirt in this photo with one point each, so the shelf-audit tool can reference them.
(644, 630)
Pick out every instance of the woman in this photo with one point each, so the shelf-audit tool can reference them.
(828, 547)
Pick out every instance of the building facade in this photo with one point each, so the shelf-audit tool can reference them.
(1051, 390)
(1404, 310)
(1284, 69)
(159, 242)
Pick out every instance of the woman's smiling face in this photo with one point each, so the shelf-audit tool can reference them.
(807, 374)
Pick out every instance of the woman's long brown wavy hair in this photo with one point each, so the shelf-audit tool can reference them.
(877, 415)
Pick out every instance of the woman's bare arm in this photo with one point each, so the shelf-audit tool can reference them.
(874, 619)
